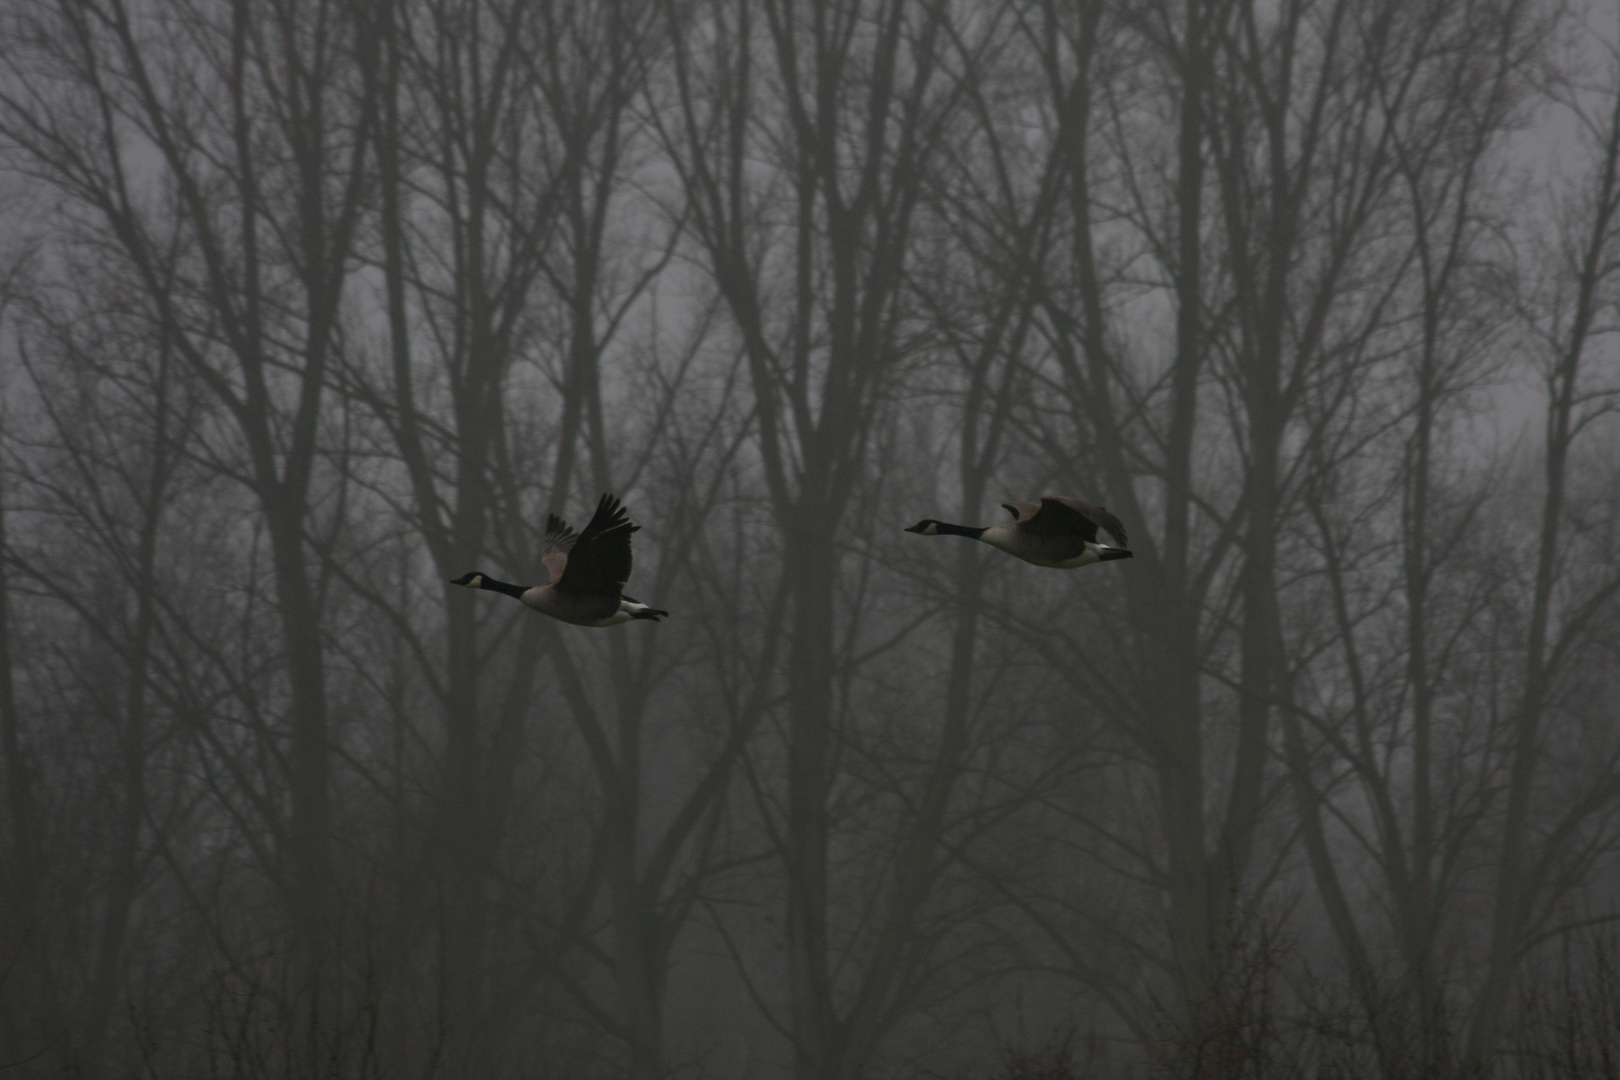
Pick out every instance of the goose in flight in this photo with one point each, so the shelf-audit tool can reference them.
(1058, 532)
(588, 571)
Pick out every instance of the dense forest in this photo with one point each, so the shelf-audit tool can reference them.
(308, 307)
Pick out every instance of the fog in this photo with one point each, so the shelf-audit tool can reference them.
(310, 307)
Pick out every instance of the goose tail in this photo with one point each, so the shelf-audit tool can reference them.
(637, 610)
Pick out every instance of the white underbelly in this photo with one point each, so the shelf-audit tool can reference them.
(1012, 545)
(581, 611)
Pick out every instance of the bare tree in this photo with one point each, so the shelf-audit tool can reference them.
(809, 253)
(111, 474)
(470, 185)
(509, 159)
(1442, 128)
(34, 1022)
(260, 141)
(1574, 315)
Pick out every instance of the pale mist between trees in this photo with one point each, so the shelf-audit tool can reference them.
(308, 307)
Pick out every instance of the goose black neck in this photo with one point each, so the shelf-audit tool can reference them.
(972, 532)
(501, 586)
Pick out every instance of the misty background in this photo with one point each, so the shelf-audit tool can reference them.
(308, 306)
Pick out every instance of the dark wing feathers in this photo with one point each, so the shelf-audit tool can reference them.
(1021, 511)
(1060, 515)
(560, 539)
(599, 558)
(1093, 515)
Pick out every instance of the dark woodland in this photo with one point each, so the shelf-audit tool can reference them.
(309, 307)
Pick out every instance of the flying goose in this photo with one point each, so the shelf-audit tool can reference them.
(1056, 532)
(588, 571)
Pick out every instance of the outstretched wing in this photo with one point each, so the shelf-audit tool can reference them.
(1059, 513)
(560, 539)
(599, 561)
